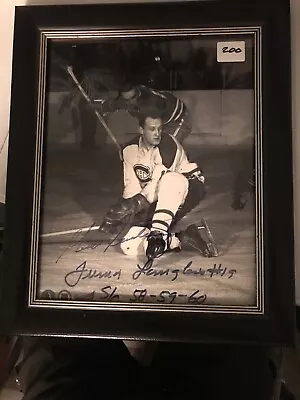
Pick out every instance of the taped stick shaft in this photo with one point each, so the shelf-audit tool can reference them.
(69, 232)
(99, 116)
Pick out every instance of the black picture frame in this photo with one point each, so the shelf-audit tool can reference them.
(274, 320)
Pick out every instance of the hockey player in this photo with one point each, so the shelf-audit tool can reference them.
(160, 187)
(137, 99)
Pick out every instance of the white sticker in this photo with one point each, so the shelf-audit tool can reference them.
(231, 51)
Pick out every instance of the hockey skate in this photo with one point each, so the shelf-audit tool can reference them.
(198, 237)
(156, 245)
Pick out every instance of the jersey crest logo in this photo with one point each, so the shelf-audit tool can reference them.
(142, 172)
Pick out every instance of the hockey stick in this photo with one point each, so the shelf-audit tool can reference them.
(80, 230)
(108, 242)
(99, 116)
(211, 241)
(69, 232)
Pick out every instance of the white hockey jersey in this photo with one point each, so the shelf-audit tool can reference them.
(144, 167)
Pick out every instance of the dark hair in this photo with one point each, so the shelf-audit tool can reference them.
(148, 113)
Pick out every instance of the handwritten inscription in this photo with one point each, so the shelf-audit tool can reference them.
(226, 49)
(81, 273)
(80, 243)
(173, 273)
(110, 293)
(231, 51)
(166, 296)
(152, 272)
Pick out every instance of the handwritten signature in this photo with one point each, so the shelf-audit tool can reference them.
(80, 243)
(82, 272)
(148, 270)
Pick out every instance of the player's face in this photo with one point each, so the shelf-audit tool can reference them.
(152, 131)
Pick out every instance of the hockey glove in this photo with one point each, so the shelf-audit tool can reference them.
(121, 214)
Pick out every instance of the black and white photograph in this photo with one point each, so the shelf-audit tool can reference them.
(150, 186)
(150, 177)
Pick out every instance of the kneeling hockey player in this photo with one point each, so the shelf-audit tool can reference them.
(160, 187)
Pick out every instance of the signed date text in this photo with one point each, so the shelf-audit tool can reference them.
(110, 293)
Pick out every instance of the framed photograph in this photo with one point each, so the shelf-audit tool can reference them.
(149, 186)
